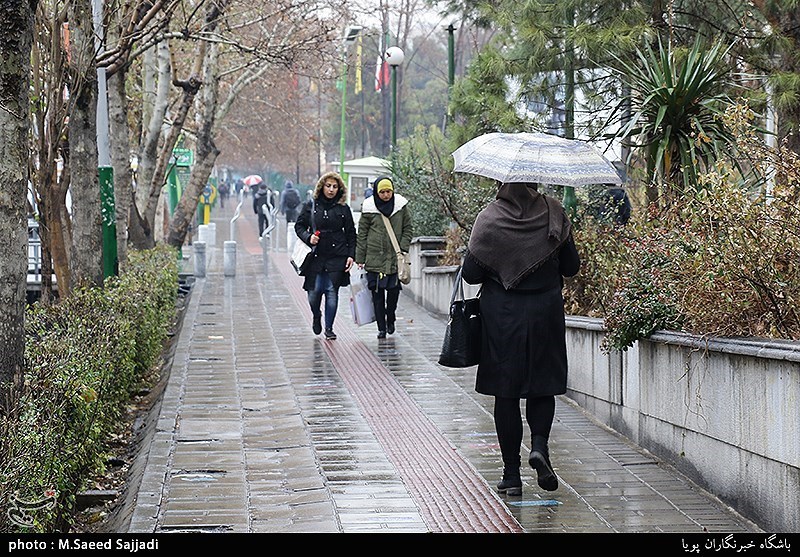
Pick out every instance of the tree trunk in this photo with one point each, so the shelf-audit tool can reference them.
(50, 75)
(785, 19)
(149, 152)
(190, 89)
(207, 153)
(87, 240)
(59, 228)
(120, 159)
(16, 20)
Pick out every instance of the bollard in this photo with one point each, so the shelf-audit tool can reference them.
(199, 259)
(229, 258)
(202, 233)
(212, 234)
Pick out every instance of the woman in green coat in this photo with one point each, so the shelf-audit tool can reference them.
(375, 252)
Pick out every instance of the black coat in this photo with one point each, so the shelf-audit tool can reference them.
(337, 241)
(260, 198)
(523, 348)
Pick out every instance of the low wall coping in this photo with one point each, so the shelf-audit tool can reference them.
(773, 349)
(440, 270)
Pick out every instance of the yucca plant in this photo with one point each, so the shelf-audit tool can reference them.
(677, 103)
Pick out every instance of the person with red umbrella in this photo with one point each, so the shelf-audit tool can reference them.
(252, 182)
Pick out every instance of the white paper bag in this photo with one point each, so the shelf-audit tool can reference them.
(299, 255)
(360, 297)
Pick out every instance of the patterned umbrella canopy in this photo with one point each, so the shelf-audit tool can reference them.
(534, 158)
(252, 180)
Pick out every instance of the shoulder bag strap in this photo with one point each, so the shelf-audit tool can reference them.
(313, 226)
(458, 288)
(390, 230)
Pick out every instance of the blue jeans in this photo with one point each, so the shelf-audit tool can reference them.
(324, 286)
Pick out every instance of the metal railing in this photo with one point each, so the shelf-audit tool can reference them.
(34, 253)
(236, 215)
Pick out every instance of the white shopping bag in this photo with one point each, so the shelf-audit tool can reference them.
(360, 297)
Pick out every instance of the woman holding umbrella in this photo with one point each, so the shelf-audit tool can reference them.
(520, 248)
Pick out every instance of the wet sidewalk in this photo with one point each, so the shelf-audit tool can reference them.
(264, 427)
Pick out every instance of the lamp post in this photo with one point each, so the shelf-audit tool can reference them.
(105, 172)
(394, 57)
(350, 35)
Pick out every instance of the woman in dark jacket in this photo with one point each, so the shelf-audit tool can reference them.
(332, 236)
(520, 249)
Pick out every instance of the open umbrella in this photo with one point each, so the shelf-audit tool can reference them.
(534, 158)
(252, 180)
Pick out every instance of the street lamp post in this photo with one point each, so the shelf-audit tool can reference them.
(394, 57)
(349, 36)
(105, 172)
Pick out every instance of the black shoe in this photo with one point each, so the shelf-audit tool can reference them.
(381, 334)
(510, 485)
(390, 327)
(546, 476)
(329, 334)
(316, 326)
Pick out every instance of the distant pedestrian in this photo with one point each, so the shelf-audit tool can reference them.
(367, 194)
(616, 206)
(223, 190)
(520, 248)
(333, 239)
(290, 208)
(261, 202)
(375, 251)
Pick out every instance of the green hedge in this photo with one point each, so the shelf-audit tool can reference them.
(85, 356)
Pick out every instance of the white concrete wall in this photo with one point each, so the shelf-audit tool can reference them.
(725, 413)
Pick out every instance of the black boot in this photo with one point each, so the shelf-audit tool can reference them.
(380, 312)
(391, 308)
(540, 461)
(511, 484)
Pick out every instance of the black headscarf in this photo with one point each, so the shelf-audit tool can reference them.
(385, 207)
(517, 232)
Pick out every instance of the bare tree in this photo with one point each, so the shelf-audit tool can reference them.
(49, 147)
(276, 34)
(16, 20)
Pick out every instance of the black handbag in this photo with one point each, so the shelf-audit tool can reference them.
(462, 337)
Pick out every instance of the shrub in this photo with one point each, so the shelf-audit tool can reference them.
(722, 263)
(84, 357)
(423, 166)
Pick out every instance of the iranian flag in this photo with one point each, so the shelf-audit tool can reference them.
(381, 74)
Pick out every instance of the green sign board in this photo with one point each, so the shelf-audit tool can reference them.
(183, 157)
